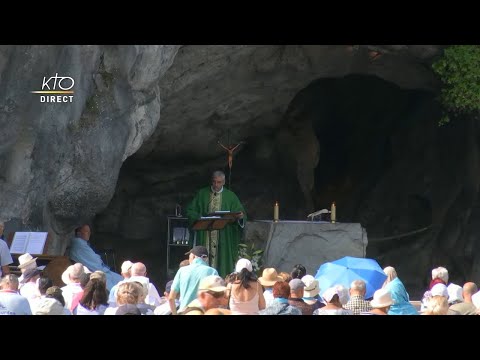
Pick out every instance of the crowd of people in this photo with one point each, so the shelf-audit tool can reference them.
(204, 283)
(197, 289)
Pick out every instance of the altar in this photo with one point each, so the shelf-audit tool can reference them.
(310, 243)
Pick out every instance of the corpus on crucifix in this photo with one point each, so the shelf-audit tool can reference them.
(230, 149)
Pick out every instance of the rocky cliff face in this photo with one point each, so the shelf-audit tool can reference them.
(354, 124)
(60, 161)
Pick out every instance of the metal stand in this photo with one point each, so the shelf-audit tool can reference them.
(178, 248)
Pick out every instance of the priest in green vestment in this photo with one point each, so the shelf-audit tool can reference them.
(222, 244)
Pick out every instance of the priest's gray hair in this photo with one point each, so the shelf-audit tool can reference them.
(218, 173)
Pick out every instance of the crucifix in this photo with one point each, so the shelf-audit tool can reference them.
(230, 149)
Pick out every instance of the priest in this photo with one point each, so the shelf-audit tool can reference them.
(223, 243)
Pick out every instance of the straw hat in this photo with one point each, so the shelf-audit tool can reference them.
(26, 260)
(269, 277)
(75, 271)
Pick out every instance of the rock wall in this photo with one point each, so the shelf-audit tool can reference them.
(142, 135)
(60, 161)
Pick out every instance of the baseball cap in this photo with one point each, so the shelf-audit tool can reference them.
(212, 283)
(54, 291)
(296, 284)
(198, 251)
(243, 264)
(126, 266)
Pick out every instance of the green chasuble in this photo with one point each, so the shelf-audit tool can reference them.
(224, 242)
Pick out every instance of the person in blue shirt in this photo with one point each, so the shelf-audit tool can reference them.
(187, 279)
(401, 300)
(81, 252)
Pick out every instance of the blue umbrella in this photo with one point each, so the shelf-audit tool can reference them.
(343, 271)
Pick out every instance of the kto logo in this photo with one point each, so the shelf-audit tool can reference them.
(56, 89)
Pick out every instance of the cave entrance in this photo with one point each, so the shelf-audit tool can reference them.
(363, 126)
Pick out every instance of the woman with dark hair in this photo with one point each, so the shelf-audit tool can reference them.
(298, 271)
(94, 300)
(43, 284)
(246, 293)
(230, 278)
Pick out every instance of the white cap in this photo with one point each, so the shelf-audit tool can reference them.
(243, 264)
(126, 266)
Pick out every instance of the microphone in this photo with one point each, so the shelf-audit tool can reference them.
(316, 213)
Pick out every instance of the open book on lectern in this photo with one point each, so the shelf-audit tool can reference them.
(211, 223)
(28, 242)
(225, 214)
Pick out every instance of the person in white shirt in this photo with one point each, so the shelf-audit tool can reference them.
(71, 277)
(126, 267)
(27, 262)
(268, 280)
(11, 302)
(30, 286)
(5, 256)
(139, 272)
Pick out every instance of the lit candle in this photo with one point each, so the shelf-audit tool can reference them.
(333, 213)
(275, 211)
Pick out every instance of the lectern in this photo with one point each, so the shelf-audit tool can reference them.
(214, 221)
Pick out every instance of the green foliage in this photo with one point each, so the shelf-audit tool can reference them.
(459, 71)
(249, 252)
(91, 105)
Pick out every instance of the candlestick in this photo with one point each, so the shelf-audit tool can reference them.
(276, 211)
(333, 213)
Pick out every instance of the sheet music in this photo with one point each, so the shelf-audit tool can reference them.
(19, 243)
(36, 242)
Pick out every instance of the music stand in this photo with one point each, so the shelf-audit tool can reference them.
(210, 223)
